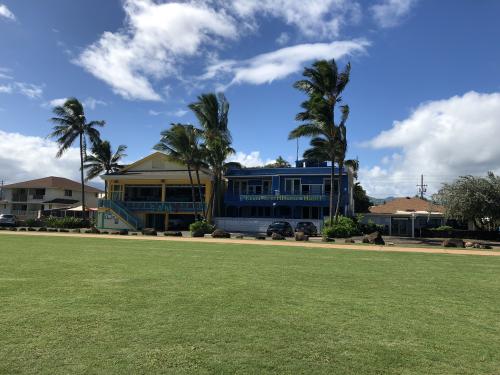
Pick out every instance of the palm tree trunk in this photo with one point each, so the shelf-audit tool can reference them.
(193, 197)
(105, 189)
(82, 177)
(332, 175)
(202, 201)
(341, 166)
(211, 204)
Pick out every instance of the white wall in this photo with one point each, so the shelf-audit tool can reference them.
(109, 220)
(243, 224)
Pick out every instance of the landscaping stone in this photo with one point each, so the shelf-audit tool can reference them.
(469, 244)
(173, 234)
(238, 236)
(149, 232)
(219, 233)
(277, 236)
(374, 238)
(453, 242)
(198, 233)
(485, 247)
(42, 229)
(123, 232)
(301, 236)
(329, 239)
(260, 237)
(22, 229)
(349, 240)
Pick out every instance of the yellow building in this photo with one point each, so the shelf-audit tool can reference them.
(153, 192)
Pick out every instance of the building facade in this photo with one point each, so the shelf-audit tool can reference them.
(29, 199)
(153, 192)
(262, 195)
(406, 216)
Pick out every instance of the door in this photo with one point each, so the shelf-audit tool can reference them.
(401, 227)
(156, 221)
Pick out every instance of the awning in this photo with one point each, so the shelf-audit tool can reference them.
(62, 201)
(79, 208)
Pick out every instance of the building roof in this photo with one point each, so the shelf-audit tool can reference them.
(62, 201)
(259, 172)
(408, 205)
(52, 182)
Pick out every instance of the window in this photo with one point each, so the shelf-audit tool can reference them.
(328, 186)
(312, 189)
(68, 193)
(266, 187)
(240, 187)
(292, 186)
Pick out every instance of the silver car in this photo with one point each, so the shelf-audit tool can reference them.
(7, 220)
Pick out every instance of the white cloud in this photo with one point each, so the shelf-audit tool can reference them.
(27, 157)
(27, 89)
(313, 18)
(252, 159)
(92, 103)
(155, 38)
(56, 102)
(279, 64)
(441, 139)
(176, 113)
(389, 13)
(6, 13)
(283, 39)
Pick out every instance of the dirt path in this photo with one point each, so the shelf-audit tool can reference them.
(268, 243)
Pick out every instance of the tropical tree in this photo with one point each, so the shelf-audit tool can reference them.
(103, 160)
(362, 202)
(324, 85)
(181, 144)
(280, 162)
(70, 124)
(212, 111)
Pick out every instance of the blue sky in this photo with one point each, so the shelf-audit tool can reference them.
(424, 93)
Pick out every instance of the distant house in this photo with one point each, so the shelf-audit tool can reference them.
(153, 192)
(405, 216)
(29, 198)
(255, 197)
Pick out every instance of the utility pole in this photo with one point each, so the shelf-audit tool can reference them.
(1, 190)
(422, 189)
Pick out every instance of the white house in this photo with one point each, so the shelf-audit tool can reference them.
(27, 199)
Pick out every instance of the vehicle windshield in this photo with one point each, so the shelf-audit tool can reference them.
(5, 216)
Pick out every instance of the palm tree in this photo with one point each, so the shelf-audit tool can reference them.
(279, 163)
(181, 144)
(212, 110)
(71, 124)
(324, 85)
(103, 160)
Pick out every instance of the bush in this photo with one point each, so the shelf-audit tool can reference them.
(200, 228)
(66, 222)
(34, 223)
(443, 228)
(370, 227)
(344, 227)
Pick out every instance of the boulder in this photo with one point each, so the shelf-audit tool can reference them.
(198, 233)
(173, 234)
(42, 229)
(349, 240)
(260, 237)
(374, 238)
(453, 242)
(238, 236)
(123, 232)
(485, 247)
(149, 232)
(277, 236)
(301, 236)
(469, 244)
(328, 239)
(219, 233)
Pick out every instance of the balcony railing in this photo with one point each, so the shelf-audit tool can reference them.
(283, 197)
(170, 207)
(37, 197)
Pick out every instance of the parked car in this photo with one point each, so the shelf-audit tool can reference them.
(282, 227)
(8, 220)
(307, 227)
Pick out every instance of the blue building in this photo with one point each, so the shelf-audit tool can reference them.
(300, 193)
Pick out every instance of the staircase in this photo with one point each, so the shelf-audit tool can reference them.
(122, 211)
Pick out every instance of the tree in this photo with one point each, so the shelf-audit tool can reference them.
(279, 163)
(362, 202)
(212, 111)
(324, 85)
(103, 160)
(181, 144)
(71, 124)
(470, 198)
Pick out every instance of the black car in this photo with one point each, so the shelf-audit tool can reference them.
(306, 227)
(282, 227)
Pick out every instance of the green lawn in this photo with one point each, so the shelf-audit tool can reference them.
(91, 305)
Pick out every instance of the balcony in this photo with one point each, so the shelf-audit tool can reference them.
(169, 207)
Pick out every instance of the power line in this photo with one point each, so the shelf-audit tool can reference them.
(422, 189)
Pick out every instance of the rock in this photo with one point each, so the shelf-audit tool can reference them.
(485, 247)
(173, 234)
(42, 229)
(30, 229)
(389, 243)
(219, 233)
(13, 229)
(469, 244)
(277, 236)
(453, 242)
(22, 229)
(301, 236)
(260, 237)
(329, 239)
(198, 233)
(349, 240)
(374, 238)
(149, 232)
(123, 232)
(62, 230)
(238, 236)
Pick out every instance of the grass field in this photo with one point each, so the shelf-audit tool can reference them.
(112, 306)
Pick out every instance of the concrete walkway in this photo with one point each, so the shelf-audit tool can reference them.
(267, 242)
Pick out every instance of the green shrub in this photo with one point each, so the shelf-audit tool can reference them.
(443, 228)
(201, 228)
(67, 222)
(344, 227)
(370, 227)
